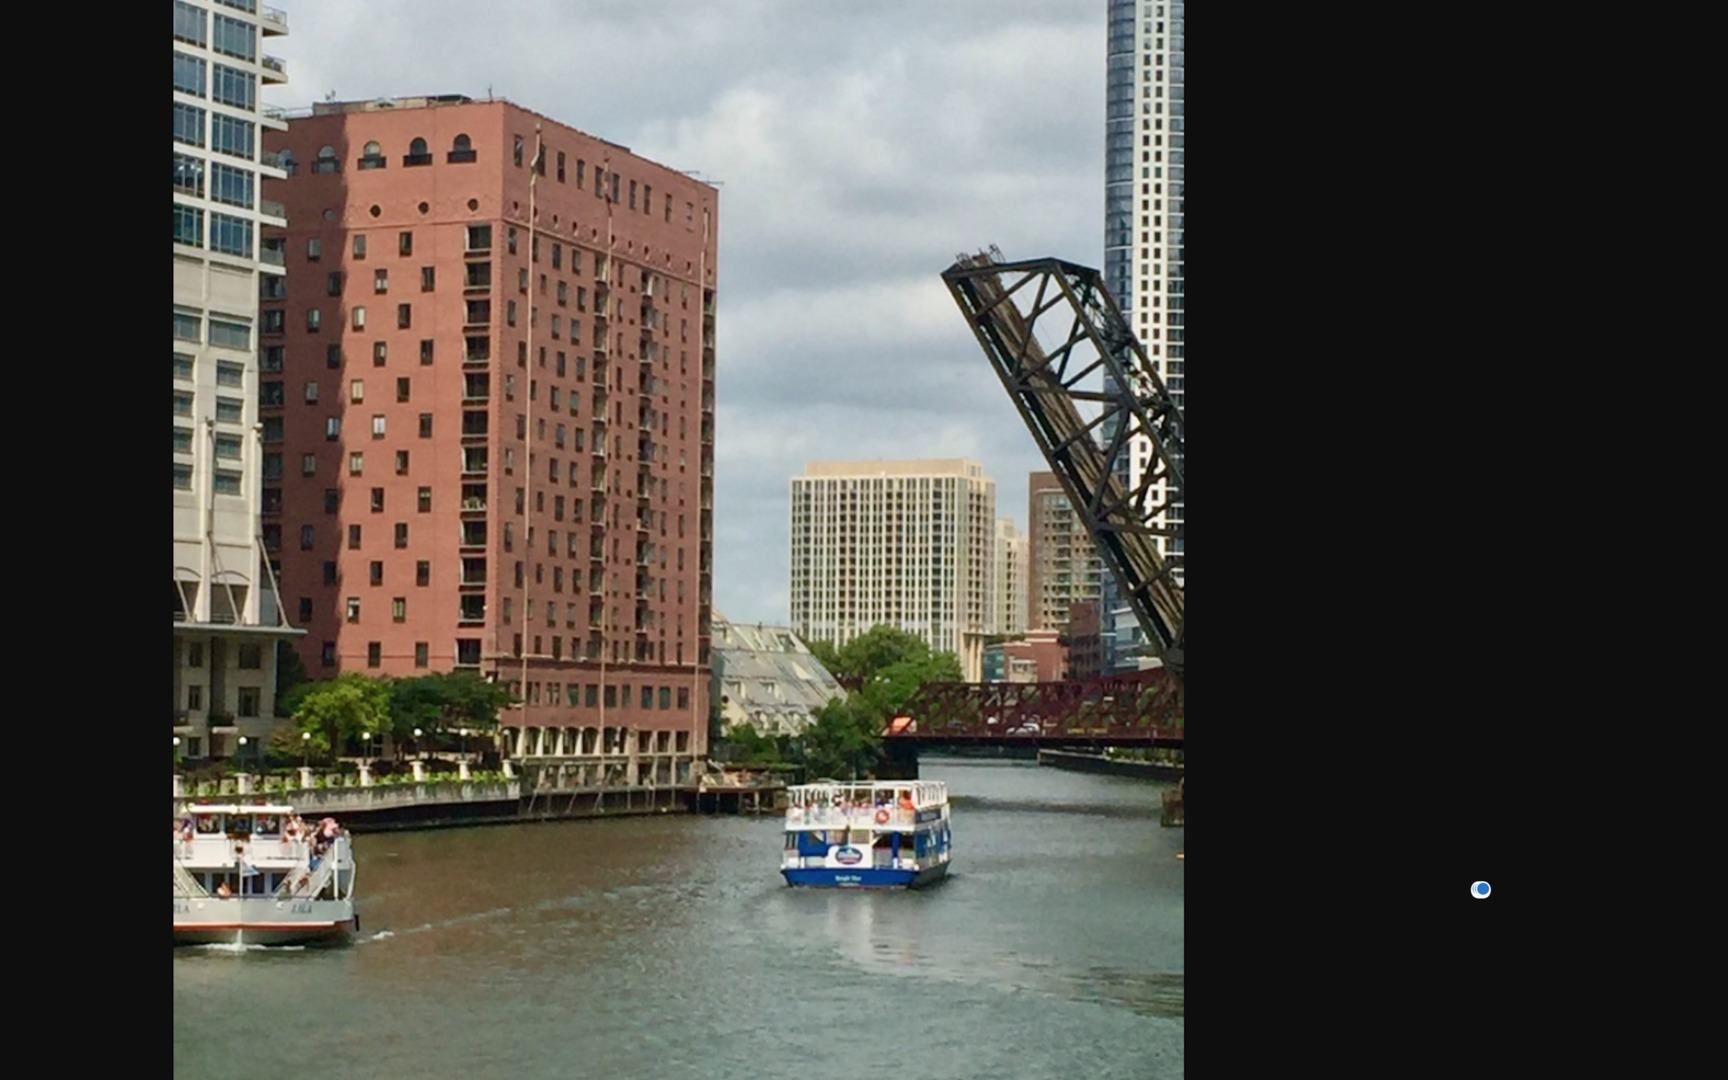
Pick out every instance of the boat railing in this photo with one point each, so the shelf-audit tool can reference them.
(857, 817)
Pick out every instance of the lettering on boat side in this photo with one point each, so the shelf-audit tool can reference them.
(182, 909)
(848, 856)
(303, 908)
(848, 879)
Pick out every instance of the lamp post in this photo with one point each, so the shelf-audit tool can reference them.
(464, 733)
(418, 749)
(305, 748)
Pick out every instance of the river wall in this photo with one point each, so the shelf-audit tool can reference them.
(1095, 763)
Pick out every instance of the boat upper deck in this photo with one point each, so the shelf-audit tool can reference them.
(866, 804)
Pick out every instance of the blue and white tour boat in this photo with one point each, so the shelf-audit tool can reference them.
(259, 875)
(866, 834)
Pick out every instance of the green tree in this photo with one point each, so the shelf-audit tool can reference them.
(877, 648)
(829, 656)
(843, 742)
(350, 706)
(444, 702)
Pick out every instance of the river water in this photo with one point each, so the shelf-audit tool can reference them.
(669, 947)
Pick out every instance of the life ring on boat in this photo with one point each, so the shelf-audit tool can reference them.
(881, 817)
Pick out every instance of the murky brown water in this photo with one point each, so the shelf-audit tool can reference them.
(669, 947)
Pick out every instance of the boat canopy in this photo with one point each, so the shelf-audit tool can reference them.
(919, 793)
(236, 808)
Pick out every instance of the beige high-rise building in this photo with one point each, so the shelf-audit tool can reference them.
(226, 617)
(1008, 591)
(907, 543)
(1063, 565)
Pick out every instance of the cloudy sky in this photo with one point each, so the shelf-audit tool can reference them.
(859, 147)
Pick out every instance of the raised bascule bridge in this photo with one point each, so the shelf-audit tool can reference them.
(1085, 388)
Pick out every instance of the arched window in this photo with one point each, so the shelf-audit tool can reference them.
(285, 161)
(372, 157)
(418, 154)
(326, 160)
(461, 149)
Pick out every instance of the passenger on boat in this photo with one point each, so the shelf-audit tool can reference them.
(183, 831)
(905, 800)
(223, 890)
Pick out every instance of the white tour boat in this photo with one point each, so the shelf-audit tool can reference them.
(866, 834)
(258, 875)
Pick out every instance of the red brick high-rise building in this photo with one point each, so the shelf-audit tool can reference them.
(490, 387)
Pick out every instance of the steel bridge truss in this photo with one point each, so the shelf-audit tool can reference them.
(1142, 708)
(1049, 327)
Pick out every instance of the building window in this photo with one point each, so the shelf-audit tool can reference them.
(307, 538)
(425, 500)
(326, 161)
(401, 463)
(375, 572)
(231, 135)
(353, 609)
(327, 654)
(401, 534)
(381, 281)
(188, 226)
(314, 319)
(428, 277)
(188, 124)
(235, 38)
(230, 235)
(426, 351)
(232, 86)
(182, 477)
(189, 176)
(356, 464)
(374, 654)
(479, 238)
(417, 155)
(372, 156)
(380, 353)
(332, 428)
(404, 316)
(189, 23)
(226, 482)
(421, 654)
(377, 500)
(422, 573)
(230, 185)
(378, 427)
(402, 388)
(357, 390)
(359, 318)
(228, 447)
(331, 496)
(425, 425)
(354, 534)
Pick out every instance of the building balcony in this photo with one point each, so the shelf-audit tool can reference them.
(273, 117)
(273, 21)
(273, 213)
(275, 70)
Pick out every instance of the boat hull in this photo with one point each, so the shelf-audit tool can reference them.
(264, 922)
(858, 877)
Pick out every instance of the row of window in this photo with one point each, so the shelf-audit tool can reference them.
(222, 481)
(228, 410)
(226, 331)
(229, 235)
(228, 184)
(226, 85)
(231, 135)
(219, 33)
(246, 703)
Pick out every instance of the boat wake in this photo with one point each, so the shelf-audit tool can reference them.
(247, 946)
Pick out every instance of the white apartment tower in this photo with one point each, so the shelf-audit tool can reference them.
(907, 543)
(1008, 592)
(226, 617)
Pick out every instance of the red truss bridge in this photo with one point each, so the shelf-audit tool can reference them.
(1144, 708)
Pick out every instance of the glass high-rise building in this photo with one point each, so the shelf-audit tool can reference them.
(1144, 194)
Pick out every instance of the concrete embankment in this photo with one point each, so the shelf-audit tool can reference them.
(431, 805)
(1096, 763)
